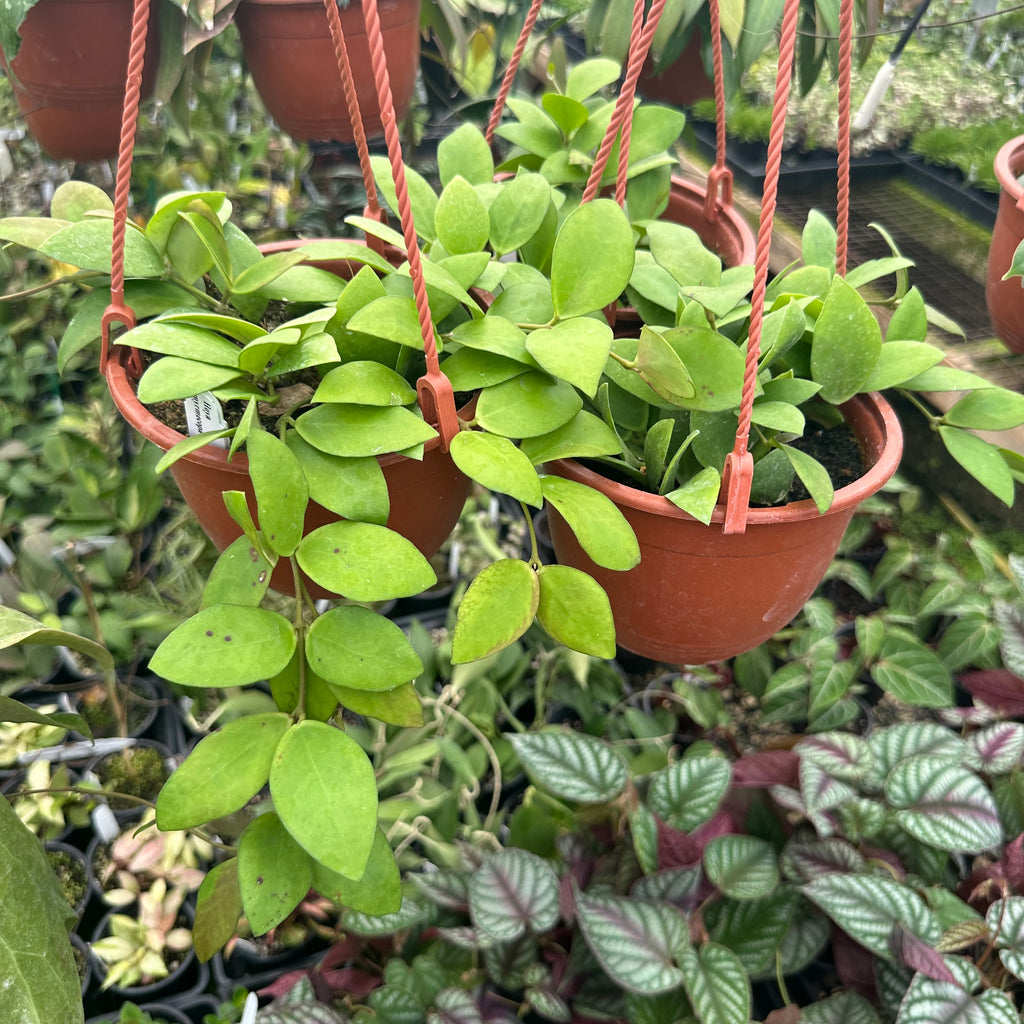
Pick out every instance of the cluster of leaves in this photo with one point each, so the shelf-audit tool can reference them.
(678, 893)
(747, 29)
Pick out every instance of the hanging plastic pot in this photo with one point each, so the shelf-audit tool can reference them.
(700, 595)
(69, 73)
(288, 49)
(1006, 298)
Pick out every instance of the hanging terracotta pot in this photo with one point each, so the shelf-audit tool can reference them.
(699, 595)
(426, 495)
(69, 74)
(728, 234)
(288, 48)
(1006, 298)
(683, 82)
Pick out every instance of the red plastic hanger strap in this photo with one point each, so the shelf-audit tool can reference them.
(348, 87)
(434, 384)
(843, 147)
(639, 48)
(737, 477)
(719, 186)
(622, 172)
(510, 72)
(117, 311)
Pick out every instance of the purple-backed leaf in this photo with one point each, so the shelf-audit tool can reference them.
(676, 849)
(806, 859)
(999, 688)
(918, 955)
(997, 750)
(842, 755)
(767, 768)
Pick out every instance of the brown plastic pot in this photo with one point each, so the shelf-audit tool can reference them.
(728, 234)
(426, 495)
(70, 71)
(287, 47)
(700, 595)
(683, 82)
(1006, 298)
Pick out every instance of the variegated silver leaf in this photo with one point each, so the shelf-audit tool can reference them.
(842, 1008)
(743, 867)
(716, 984)
(637, 943)
(940, 1002)
(867, 906)
(841, 755)
(944, 805)
(512, 892)
(571, 765)
(687, 793)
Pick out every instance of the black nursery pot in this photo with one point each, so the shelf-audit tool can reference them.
(188, 979)
(158, 1011)
(124, 810)
(69, 865)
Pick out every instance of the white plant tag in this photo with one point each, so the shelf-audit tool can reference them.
(104, 824)
(203, 413)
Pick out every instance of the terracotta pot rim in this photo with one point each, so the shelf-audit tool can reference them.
(166, 437)
(1008, 164)
(847, 497)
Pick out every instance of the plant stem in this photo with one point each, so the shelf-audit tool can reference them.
(534, 552)
(81, 275)
(299, 624)
(960, 515)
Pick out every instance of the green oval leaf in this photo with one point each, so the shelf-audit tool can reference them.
(218, 908)
(461, 219)
(847, 343)
(281, 490)
(89, 243)
(318, 766)
(359, 649)
(365, 562)
(274, 872)
(363, 382)
(497, 609)
(575, 350)
(575, 611)
(530, 404)
(378, 892)
(226, 645)
(584, 436)
(356, 431)
(991, 409)
(222, 773)
(518, 211)
(599, 526)
(592, 260)
(497, 464)
(465, 152)
(353, 488)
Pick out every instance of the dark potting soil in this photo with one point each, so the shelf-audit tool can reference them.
(836, 449)
(72, 876)
(137, 771)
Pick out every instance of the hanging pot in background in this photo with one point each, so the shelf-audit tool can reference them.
(700, 595)
(288, 48)
(70, 70)
(683, 82)
(1006, 298)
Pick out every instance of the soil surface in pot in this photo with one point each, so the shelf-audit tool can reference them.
(72, 875)
(93, 705)
(136, 771)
